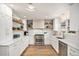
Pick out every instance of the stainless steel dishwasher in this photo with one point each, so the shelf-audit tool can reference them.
(62, 49)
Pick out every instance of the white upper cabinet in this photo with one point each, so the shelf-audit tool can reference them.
(57, 24)
(73, 51)
(38, 23)
(25, 25)
(74, 17)
(61, 19)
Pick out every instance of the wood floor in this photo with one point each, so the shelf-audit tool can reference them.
(39, 51)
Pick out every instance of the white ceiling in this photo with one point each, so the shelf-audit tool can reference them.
(42, 10)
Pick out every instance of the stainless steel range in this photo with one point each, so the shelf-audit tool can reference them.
(39, 39)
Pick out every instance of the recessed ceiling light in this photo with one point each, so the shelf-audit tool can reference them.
(11, 5)
(30, 7)
(24, 16)
(46, 17)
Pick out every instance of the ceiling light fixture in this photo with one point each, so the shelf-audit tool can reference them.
(24, 16)
(30, 7)
(11, 5)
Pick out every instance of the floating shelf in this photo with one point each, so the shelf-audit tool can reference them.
(17, 30)
(49, 24)
(17, 21)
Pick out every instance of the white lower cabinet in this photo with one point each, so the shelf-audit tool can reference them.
(54, 43)
(4, 50)
(11, 50)
(47, 40)
(18, 48)
(14, 49)
(73, 51)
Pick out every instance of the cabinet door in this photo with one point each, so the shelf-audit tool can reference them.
(23, 45)
(74, 17)
(47, 36)
(38, 23)
(55, 44)
(73, 51)
(18, 47)
(12, 50)
(2, 29)
(26, 41)
(46, 39)
(4, 51)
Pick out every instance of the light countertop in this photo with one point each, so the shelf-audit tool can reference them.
(72, 40)
(11, 41)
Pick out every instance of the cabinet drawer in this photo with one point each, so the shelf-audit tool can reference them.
(73, 54)
(73, 51)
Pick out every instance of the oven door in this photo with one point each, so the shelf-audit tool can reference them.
(39, 39)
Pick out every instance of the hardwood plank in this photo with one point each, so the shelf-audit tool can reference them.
(45, 50)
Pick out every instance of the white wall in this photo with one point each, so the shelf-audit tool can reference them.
(5, 23)
(74, 17)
